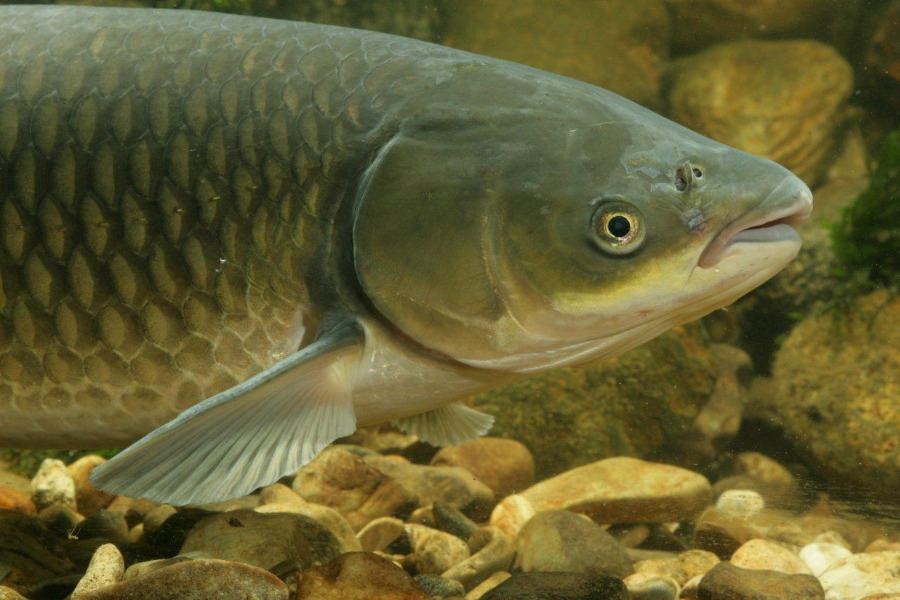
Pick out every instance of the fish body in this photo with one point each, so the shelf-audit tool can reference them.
(281, 231)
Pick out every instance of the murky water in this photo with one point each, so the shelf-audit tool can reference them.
(762, 437)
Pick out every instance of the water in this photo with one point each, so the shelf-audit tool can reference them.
(792, 392)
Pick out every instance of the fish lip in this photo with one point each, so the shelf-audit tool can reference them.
(782, 207)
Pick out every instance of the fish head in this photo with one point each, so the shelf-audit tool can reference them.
(555, 228)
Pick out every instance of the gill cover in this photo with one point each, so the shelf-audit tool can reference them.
(422, 241)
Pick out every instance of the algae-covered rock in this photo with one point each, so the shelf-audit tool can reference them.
(641, 404)
(622, 45)
(784, 100)
(867, 239)
(836, 394)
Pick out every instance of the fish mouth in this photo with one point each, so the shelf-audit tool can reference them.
(772, 220)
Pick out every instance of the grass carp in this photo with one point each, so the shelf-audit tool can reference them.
(243, 238)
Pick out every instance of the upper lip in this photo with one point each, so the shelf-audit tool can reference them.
(790, 203)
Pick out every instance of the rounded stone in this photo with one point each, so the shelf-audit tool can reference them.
(784, 100)
(505, 466)
(848, 426)
(106, 568)
(559, 540)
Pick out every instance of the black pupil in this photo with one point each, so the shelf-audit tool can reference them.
(618, 226)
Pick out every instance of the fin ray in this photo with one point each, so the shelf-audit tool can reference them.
(447, 425)
(247, 436)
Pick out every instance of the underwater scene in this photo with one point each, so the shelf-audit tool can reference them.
(297, 311)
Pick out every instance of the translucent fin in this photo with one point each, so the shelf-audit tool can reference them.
(247, 436)
(447, 425)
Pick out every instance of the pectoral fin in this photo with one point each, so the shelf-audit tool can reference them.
(249, 435)
(447, 425)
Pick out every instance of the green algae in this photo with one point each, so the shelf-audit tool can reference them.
(867, 238)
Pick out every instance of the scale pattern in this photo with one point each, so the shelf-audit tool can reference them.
(165, 180)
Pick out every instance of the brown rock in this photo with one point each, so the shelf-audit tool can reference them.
(264, 540)
(505, 466)
(681, 568)
(784, 100)
(559, 540)
(196, 579)
(453, 486)
(621, 45)
(89, 498)
(133, 509)
(492, 552)
(343, 481)
(727, 581)
(379, 533)
(12, 499)
(847, 427)
(359, 576)
(619, 490)
(763, 554)
(434, 551)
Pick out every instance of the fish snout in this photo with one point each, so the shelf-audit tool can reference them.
(774, 219)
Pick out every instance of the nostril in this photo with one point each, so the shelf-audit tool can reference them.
(681, 180)
(698, 173)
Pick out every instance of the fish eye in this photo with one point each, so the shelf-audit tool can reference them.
(618, 227)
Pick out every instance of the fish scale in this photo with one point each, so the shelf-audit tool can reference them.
(164, 183)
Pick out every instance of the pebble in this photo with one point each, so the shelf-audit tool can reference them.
(10, 594)
(763, 554)
(13, 499)
(855, 576)
(477, 592)
(506, 466)
(434, 552)
(559, 586)
(330, 518)
(104, 524)
(453, 486)
(89, 498)
(358, 576)
(342, 480)
(154, 519)
(614, 490)
(53, 484)
(107, 567)
(263, 540)
(492, 552)
(818, 556)
(61, 519)
(559, 540)
(741, 503)
(133, 509)
(681, 568)
(643, 586)
(435, 585)
(379, 533)
(728, 581)
(453, 521)
(201, 578)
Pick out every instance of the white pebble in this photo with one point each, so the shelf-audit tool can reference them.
(741, 503)
(53, 484)
(818, 556)
(107, 568)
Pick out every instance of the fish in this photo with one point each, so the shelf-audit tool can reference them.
(229, 241)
